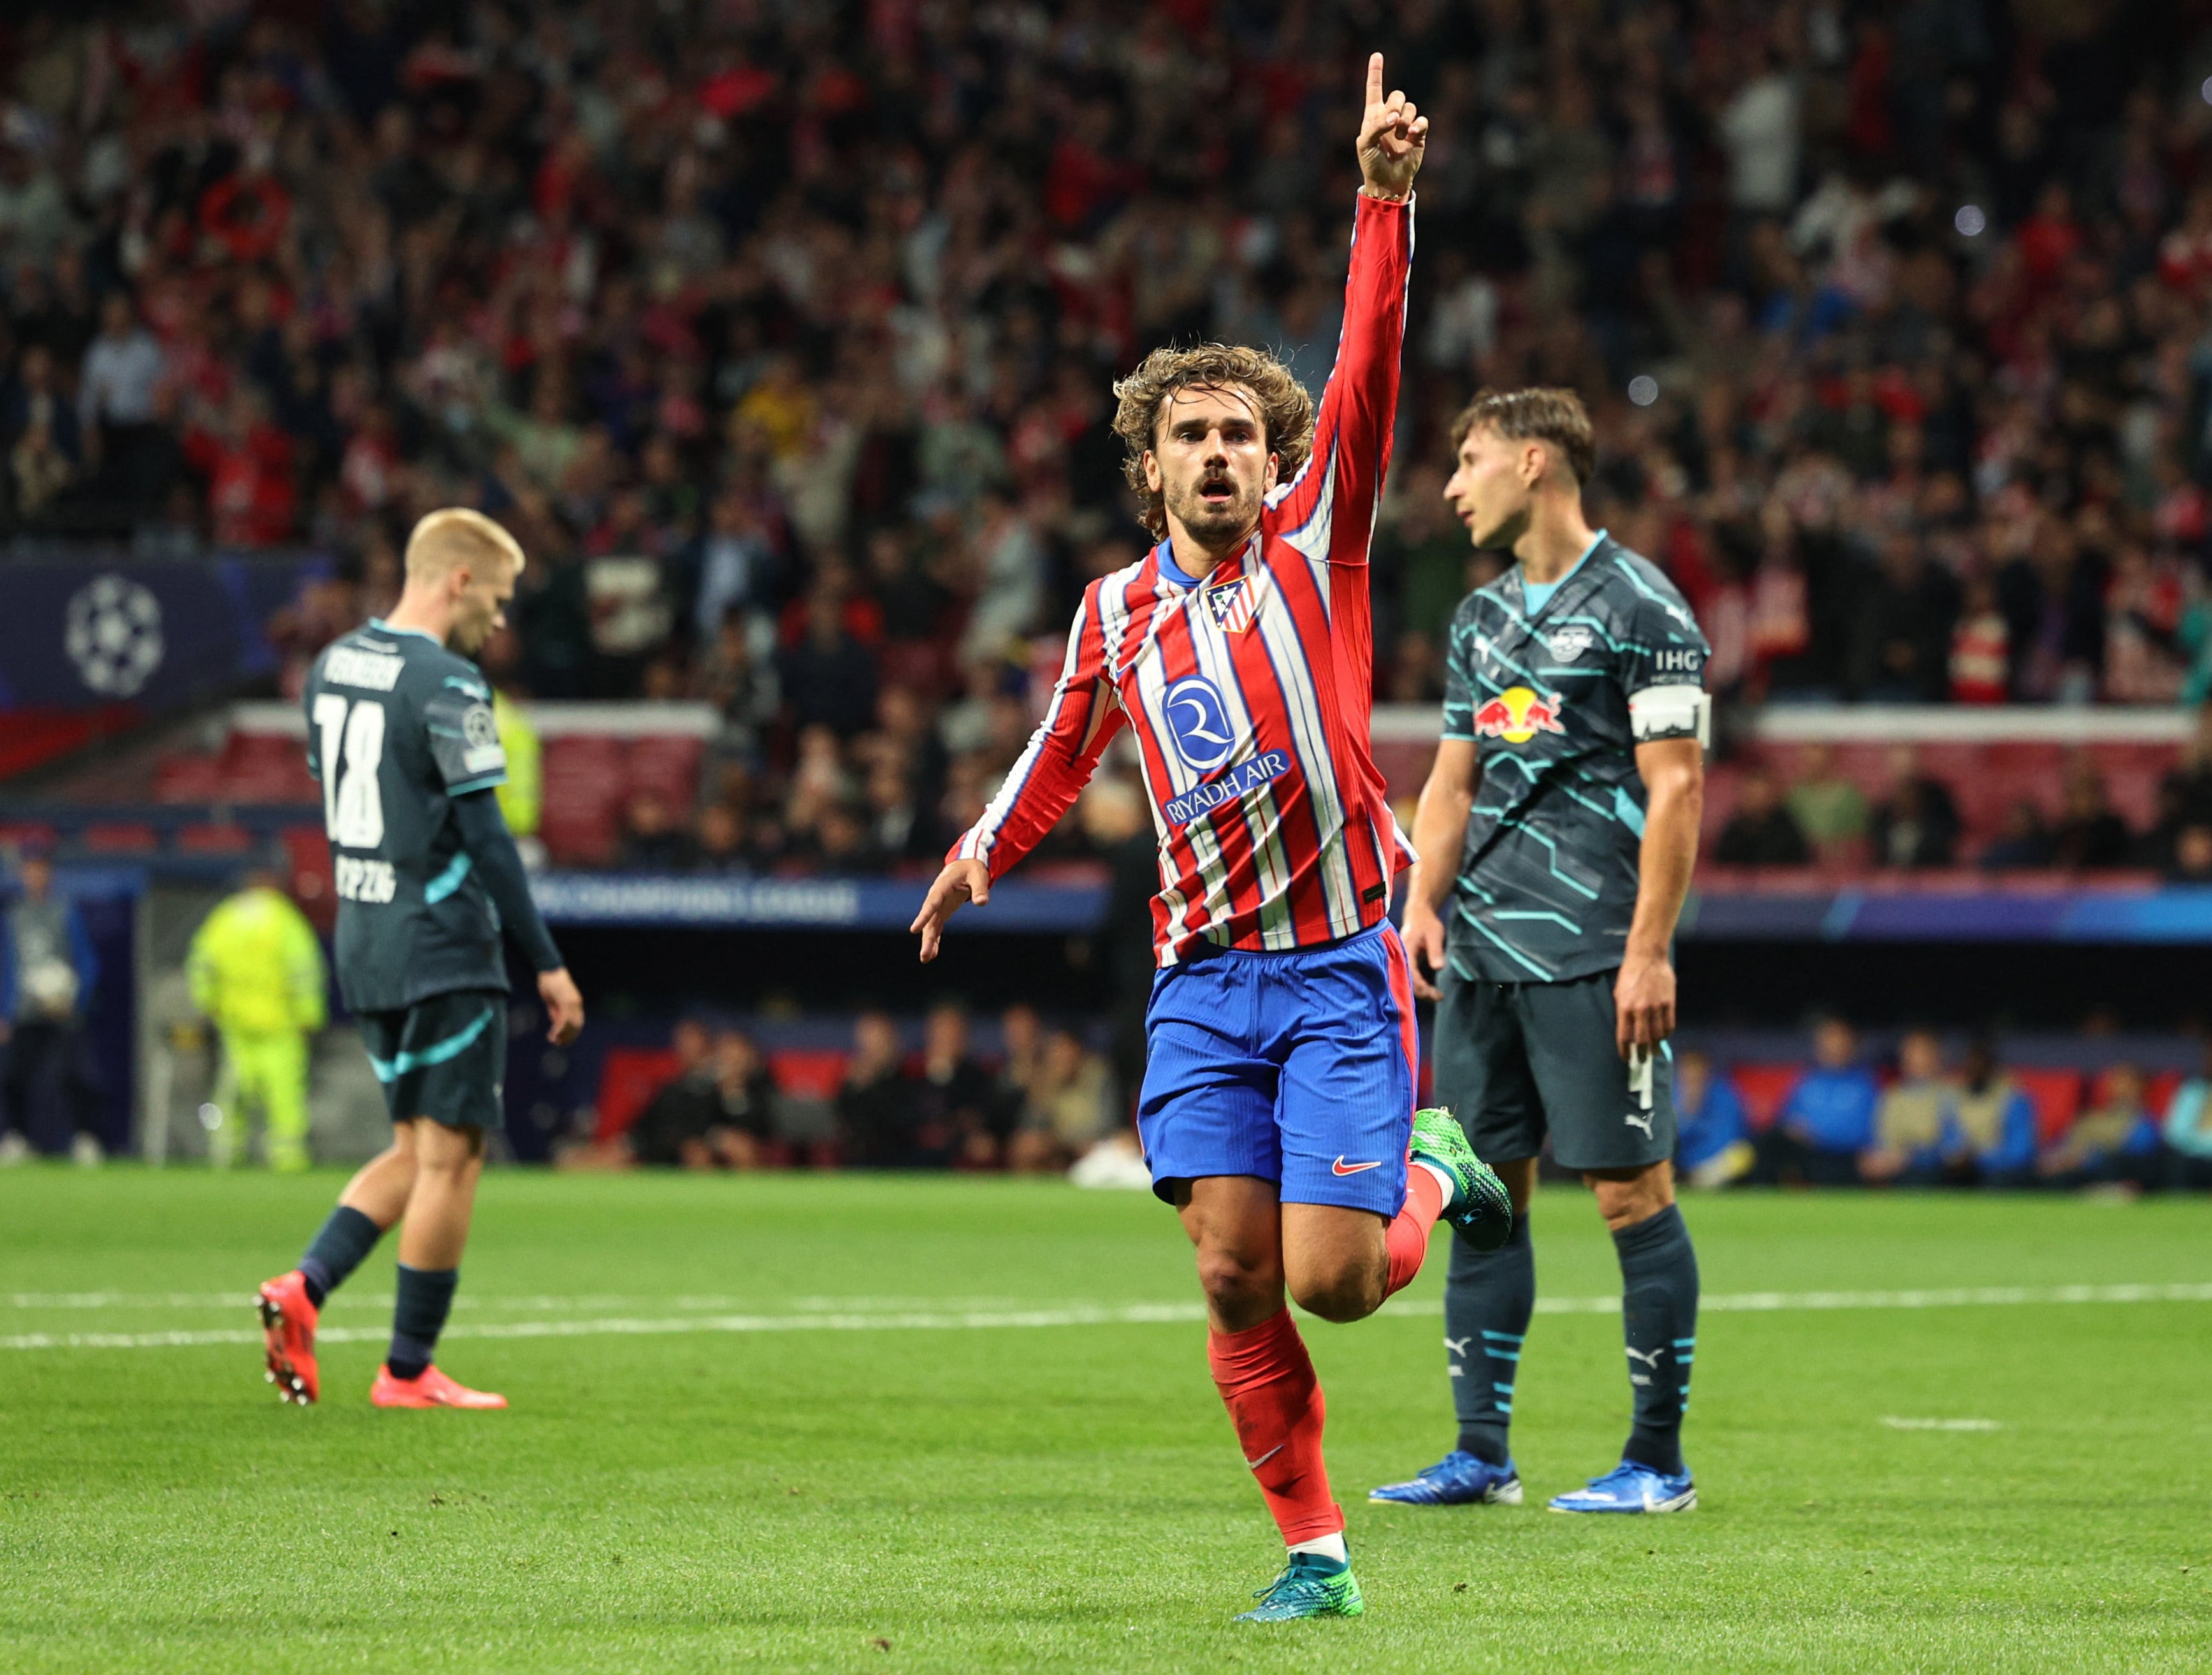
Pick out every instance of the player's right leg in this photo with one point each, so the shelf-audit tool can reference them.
(1208, 1118)
(449, 1073)
(1482, 1072)
(290, 1304)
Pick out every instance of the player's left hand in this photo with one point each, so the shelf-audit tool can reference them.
(565, 1006)
(1393, 136)
(1642, 1003)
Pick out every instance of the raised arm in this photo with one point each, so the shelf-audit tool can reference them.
(1328, 511)
(1061, 755)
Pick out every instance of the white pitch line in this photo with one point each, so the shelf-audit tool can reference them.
(1101, 1315)
(1896, 1424)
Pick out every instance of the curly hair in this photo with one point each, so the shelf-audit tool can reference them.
(1286, 411)
(1553, 416)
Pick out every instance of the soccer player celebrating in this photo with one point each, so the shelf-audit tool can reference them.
(400, 734)
(1558, 830)
(1278, 1102)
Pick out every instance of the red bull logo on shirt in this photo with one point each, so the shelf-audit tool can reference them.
(1517, 715)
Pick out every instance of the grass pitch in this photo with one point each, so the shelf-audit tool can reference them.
(732, 1447)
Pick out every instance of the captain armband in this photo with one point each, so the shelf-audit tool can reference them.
(1671, 712)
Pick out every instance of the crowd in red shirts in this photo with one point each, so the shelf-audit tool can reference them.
(783, 337)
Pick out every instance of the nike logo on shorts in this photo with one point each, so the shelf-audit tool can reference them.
(1343, 1168)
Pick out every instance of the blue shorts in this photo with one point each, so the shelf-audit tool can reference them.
(1297, 1067)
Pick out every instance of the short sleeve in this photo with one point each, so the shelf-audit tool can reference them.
(1662, 646)
(1662, 669)
(464, 736)
(1459, 677)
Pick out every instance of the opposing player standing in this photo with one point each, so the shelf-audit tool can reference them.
(1278, 1102)
(400, 734)
(1558, 832)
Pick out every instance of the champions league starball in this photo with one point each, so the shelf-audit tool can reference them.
(114, 635)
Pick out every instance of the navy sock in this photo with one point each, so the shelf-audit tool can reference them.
(426, 1294)
(1659, 1319)
(345, 1240)
(1487, 1301)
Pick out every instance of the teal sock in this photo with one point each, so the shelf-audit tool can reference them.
(1488, 1298)
(344, 1244)
(1659, 1319)
(425, 1295)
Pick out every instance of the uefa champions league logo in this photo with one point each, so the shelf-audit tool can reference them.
(112, 633)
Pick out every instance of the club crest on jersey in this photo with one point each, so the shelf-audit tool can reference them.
(1198, 722)
(1233, 604)
(1571, 641)
(1517, 715)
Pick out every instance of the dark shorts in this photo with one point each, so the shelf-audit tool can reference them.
(444, 1057)
(1516, 1062)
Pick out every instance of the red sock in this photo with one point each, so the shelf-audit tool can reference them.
(1267, 1382)
(1407, 1239)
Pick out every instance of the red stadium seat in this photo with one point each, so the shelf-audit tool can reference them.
(121, 837)
(208, 838)
(809, 1073)
(1763, 1087)
(629, 1078)
(2057, 1097)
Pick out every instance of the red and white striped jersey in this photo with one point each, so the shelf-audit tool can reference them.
(1248, 692)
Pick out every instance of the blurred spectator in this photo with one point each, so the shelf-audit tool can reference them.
(1989, 1135)
(1909, 1121)
(1021, 1062)
(47, 971)
(39, 436)
(2192, 857)
(1712, 1145)
(1916, 825)
(1115, 820)
(651, 839)
(2187, 1130)
(2113, 1144)
(877, 1111)
(1827, 1119)
(1070, 1108)
(1829, 808)
(1762, 832)
(828, 677)
(1981, 646)
(2089, 835)
(958, 1124)
(719, 843)
(2023, 843)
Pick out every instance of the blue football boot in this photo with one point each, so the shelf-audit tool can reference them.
(1631, 1488)
(1458, 1479)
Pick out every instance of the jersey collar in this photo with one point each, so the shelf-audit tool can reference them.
(1580, 572)
(384, 627)
(1163, 554)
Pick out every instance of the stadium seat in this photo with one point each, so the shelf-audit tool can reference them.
(629, 1078)
(210, 837)
(2057, 1098)
(809, 1073)
(1763, 1087)
(120, 838)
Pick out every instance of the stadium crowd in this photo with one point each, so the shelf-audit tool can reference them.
(1041, 1098)
(783, 335)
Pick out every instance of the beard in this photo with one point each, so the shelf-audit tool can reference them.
(1215, 521)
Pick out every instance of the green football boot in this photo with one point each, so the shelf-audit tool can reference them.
(1480, 1208)
(1310, 1586)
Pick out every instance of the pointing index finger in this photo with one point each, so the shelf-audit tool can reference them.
(1373, 78)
